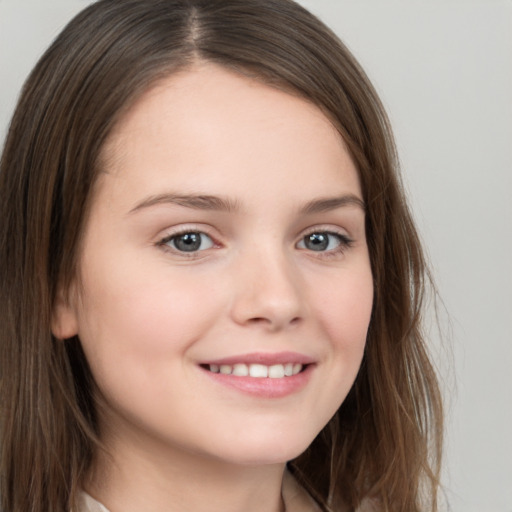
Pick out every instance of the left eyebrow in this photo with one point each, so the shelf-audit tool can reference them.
(332, 203)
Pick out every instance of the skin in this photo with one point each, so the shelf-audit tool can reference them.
(149, 315)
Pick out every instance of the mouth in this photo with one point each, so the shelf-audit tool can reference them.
(262, 375)
(257, 370)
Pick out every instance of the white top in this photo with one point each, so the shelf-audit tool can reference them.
(89, 504)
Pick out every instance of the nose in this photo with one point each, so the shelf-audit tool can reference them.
(268, 293)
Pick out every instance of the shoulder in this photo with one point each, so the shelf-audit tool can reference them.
(87, 503)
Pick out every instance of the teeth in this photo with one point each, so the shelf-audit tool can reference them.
(276, 371)
(225, 369)
(240, 370)
(259, 371)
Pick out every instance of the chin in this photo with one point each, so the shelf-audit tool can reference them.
(266, 452)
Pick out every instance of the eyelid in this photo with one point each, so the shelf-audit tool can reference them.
(180, 229)
(333, 230)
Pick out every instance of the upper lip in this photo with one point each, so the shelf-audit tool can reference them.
(264, 358)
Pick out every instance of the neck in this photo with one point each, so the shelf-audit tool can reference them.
(158, 480)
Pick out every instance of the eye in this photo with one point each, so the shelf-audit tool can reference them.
(191, 241)
(324, 241)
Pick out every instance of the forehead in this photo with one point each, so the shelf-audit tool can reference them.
(207, 122)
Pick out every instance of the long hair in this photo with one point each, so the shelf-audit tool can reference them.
(384, 443)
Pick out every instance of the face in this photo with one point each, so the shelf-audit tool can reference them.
(224, 290)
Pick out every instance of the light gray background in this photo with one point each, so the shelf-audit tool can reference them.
(444, 71)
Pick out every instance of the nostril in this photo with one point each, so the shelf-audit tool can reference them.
(273, 324)
(259, 321)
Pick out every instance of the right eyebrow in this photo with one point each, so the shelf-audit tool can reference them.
(196, 202)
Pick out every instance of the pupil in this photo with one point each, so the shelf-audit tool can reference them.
(317, 241)
(188, 242)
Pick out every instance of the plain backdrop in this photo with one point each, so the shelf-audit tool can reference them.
(444, 71)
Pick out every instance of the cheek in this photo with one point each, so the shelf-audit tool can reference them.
(165, 318)
(142, 317)
(344, 311)
(343, 307)
(346, 308)
(137, 334)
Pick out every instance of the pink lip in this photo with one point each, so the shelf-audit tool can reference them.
(267, 359)
(264, 387)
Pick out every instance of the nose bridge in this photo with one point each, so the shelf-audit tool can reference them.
(267, 288)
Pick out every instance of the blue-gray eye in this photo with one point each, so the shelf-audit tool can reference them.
(190, 242)
(322, 241)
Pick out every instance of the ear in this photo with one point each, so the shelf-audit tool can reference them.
(64, 316)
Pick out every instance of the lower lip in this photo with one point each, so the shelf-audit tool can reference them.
(265, 387)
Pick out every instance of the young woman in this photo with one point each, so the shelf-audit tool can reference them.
(210, 282)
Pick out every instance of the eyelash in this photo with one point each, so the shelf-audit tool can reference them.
(344, 242)
(164, 242)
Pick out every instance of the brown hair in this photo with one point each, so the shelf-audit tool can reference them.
(384, 443)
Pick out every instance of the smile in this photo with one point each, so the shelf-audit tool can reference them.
(259, 371)
(262, 375)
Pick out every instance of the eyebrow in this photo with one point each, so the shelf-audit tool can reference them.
(224, 204)
(196, 202)
(332, 203)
